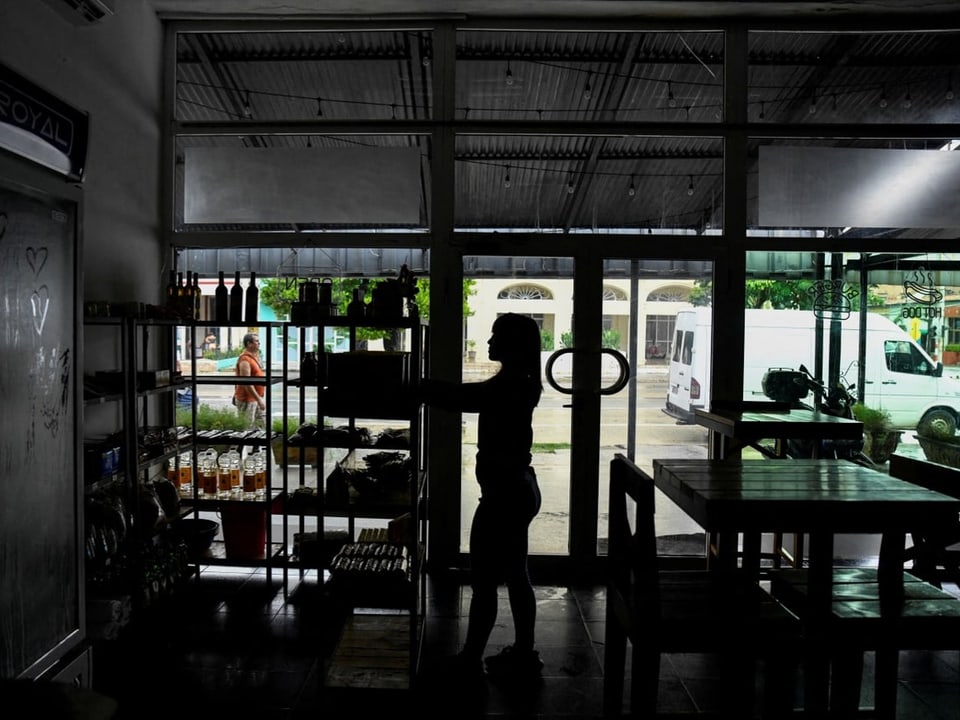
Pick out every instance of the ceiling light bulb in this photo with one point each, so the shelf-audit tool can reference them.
(508, 76)
(341, 38)
(632, 190)
(671, 100)
(763, 114)
(907, 100)
(883, 101)
(813, 107)
(506, 179)
(690, 187)
(587, 93)
(570, 188)
(949, 94)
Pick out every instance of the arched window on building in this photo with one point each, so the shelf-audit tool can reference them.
(613, 293)
(524, 292)
(670, 293)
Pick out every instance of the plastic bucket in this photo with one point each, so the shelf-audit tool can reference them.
(244, 531)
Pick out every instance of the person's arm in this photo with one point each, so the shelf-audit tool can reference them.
(465, 397)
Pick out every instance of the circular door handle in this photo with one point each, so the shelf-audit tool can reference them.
(548, 371)
(617, 386)
(624, 372)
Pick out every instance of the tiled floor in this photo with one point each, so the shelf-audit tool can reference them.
(232, 647)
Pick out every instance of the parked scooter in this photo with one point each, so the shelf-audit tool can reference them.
(793, 386)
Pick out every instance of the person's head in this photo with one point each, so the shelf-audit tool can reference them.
(251, 341)
(515, 343)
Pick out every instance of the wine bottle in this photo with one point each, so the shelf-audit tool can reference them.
(236, 300)
(252, 301)
(197, 296)
(181, 295)
(171, 291)
(356, 308)
(221, 306)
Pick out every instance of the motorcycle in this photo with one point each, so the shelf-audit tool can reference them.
(786, 385)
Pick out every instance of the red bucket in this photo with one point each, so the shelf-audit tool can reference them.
(244, 531)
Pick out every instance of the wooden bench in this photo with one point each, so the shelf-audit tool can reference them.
(667, 611)
(927, 618)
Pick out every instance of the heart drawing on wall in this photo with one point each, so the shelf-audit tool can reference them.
(36, 259)
(40, 302)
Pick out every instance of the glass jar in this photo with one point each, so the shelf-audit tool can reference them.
(207, 462)
(185, 475)
(223, 476)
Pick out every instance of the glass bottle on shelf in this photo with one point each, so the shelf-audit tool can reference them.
(236, 475)
(260, 479)
(221, 305)
(196, 295)
(357, 309)
(236, 300)
(249, 477)
(252, 301)
(185, 475)
(224, 484)
(171, 290)
(207, 462)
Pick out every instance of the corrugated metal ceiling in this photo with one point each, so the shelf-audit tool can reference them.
(570, 181)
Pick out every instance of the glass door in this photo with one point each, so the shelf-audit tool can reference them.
(644, 313)
(595, 315)
(541, 288)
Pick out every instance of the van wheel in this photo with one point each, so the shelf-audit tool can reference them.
(938, 422)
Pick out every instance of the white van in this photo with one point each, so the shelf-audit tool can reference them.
(899, 375)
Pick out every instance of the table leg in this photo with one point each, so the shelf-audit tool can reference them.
(751, 555)
(819, 597)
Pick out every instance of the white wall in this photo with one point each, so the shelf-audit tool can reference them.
(113, 71)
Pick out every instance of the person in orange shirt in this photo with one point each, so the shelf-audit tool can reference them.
(249, 398)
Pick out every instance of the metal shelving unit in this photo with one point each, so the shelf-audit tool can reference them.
(355, 392)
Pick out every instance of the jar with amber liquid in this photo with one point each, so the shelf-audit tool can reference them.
(236, 474)
(184, 475)
(207, 466)
(224, 482)
(249, 478)
(260, 475)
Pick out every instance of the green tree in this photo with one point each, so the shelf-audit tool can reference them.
(773, 294)
(280, 293)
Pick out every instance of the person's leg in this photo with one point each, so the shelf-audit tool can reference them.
(523, 602)
(484, 580)
(247, 410)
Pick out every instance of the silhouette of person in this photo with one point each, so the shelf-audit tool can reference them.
(509, 495)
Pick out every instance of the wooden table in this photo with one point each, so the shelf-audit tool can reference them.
(732, 430)
(821, 498)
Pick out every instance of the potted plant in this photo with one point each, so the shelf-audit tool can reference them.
(939, 445)
(880, 440)
(471, 350)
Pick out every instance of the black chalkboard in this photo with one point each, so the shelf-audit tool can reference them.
(40, 562)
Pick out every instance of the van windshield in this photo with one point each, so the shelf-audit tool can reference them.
(904, 357)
